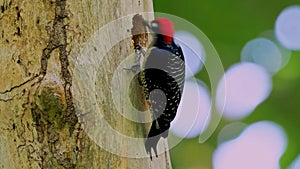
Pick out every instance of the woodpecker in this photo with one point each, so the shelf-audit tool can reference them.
(162, 77)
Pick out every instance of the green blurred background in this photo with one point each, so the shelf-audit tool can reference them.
(230, 24)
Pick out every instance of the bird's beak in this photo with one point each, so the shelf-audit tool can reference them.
(146, 24)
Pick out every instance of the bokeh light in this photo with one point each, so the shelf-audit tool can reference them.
(193, 111)
(231, 131)
(245, 85)
(285, 53)
(260, 146)
(287, 27)
(295, 164)
(264, 52)
(192, 48)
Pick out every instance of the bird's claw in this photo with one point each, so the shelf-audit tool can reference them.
(151, 143)
(139, 55)
(134, 68)
(139, 48)
(150, 153)
(145, 23)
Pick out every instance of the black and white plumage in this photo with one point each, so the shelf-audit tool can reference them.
(162, 78)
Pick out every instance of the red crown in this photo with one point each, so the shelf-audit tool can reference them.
(166, 28)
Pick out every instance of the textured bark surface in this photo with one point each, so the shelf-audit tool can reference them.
(57, 68)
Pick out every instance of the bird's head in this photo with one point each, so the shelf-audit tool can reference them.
(163, 28)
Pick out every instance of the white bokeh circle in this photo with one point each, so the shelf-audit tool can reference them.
(247, 85)
(285, 53)
(259, 146)
(295, 164)
(287, 27)
(193, 112)
(263, 52)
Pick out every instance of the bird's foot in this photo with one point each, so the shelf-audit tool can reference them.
(151, 143)
(139, 55)
(139, 49)
(133, 68)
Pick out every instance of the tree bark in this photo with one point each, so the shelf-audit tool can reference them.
(65, 100)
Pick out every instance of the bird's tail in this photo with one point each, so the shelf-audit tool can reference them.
(154, 135)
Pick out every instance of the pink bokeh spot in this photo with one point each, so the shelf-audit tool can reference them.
(287, 27)
(245, 85)
(260, 146)
(193, 111)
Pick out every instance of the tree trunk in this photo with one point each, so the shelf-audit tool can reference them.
(65, 99)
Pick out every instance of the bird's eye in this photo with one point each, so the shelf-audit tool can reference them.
(154, 25)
